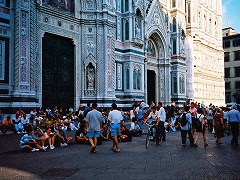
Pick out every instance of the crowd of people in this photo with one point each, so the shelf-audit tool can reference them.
(48, 128)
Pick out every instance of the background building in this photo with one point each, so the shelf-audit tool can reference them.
(69, 52)
(205, 52)
(231, 45)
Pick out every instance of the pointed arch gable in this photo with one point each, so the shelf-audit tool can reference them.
(90, 59)
(156, 24)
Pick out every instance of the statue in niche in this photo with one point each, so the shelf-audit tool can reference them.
(90, 77)
(118, 29)
(182, 46)
(169, 51)
(138, 29)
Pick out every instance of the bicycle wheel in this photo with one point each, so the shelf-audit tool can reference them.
(147, 140)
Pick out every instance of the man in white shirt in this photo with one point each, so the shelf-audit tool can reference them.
(115, 119)
(160, 123)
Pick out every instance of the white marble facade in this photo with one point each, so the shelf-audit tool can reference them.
(116, 44)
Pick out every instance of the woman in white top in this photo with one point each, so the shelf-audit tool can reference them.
(152, 117)
(132, 113)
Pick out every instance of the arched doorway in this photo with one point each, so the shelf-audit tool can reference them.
(151, 86)
(57, 71)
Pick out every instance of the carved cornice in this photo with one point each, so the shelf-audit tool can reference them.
(53, 12)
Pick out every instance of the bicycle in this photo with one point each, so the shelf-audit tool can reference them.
(152, 133)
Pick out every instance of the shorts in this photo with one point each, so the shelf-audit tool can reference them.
(115, 129)
(93, 134)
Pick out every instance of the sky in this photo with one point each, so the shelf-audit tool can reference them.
(231, 14)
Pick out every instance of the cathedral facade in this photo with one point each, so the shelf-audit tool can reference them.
(70, 52)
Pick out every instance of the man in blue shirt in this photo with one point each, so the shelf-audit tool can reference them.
(186, 129)
(234, 119)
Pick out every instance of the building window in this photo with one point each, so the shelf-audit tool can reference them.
(227, 85)
(174, 84)
(2, 59)
(134, 79)
(119, 76)
(173, 3)
(237, 84)
(226, 44)
(228, 97)
(189, 13)
(174, 25)
(227, 72)
(236, 55)
(126, 5)
(137, 79)
(174, 45)
(182, 85)
(226, 57)
(210, 25)
(127, 78)
(237, 71)
(199, 19)
(236, 42)
(127, 30)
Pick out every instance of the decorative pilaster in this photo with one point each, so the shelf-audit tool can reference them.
(22, 45)
(110, 63)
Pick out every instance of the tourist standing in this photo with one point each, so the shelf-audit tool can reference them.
(160, 123)
(93, 126)
(186, 128)
(193, 111)
(115, 119)
(218, 126)
(200, 127)
(233, 120)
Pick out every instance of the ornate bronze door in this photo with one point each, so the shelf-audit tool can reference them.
(57, 71)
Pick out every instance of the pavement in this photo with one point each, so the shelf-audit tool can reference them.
(169, 160)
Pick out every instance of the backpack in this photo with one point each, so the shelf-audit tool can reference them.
(198, 122)
(183, 120)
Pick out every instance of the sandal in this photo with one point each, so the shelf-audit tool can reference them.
(93, 150)
(116, 151)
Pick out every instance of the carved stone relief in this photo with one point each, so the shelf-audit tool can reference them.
(25, 3)
(89, 5)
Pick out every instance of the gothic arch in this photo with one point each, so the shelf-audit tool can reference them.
(159, 44)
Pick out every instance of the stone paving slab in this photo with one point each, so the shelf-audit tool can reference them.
(168, 161)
